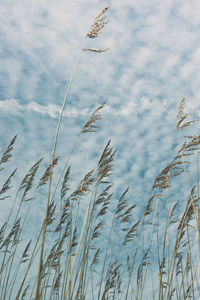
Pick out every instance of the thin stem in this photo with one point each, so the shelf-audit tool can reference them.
(50, 177)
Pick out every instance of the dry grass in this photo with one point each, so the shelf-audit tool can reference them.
(103, 251)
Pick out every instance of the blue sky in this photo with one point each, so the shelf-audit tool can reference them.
(153, 61)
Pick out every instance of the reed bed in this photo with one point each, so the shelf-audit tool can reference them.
(92, 244)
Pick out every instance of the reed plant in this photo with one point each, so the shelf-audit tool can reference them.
(102, 249)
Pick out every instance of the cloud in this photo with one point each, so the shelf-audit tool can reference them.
(152, 63)
(14, 106)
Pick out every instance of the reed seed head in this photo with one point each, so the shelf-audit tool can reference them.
(99, 22)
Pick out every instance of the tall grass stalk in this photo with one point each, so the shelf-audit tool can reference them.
(96, 27)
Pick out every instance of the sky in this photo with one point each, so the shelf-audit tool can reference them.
(152, 62)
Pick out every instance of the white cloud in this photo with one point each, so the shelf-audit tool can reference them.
(10, 105)
(152, 62)
(13, 106)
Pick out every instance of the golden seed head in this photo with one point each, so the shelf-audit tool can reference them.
(98, 24)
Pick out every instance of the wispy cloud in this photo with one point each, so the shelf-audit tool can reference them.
(14, 106)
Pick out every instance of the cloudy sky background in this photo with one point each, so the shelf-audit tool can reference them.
(153, 61)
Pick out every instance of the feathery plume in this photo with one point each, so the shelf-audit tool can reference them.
(95, 258)
(181, 116)
(7, 154)
(65, 186)
(25, 292)
(105, 162)
(48, 172)
(99, 22)
(28, 179)
(95, 50)
(6, 185)
(131, 233)
(57, 282)
(25, 255)
(90, 125)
